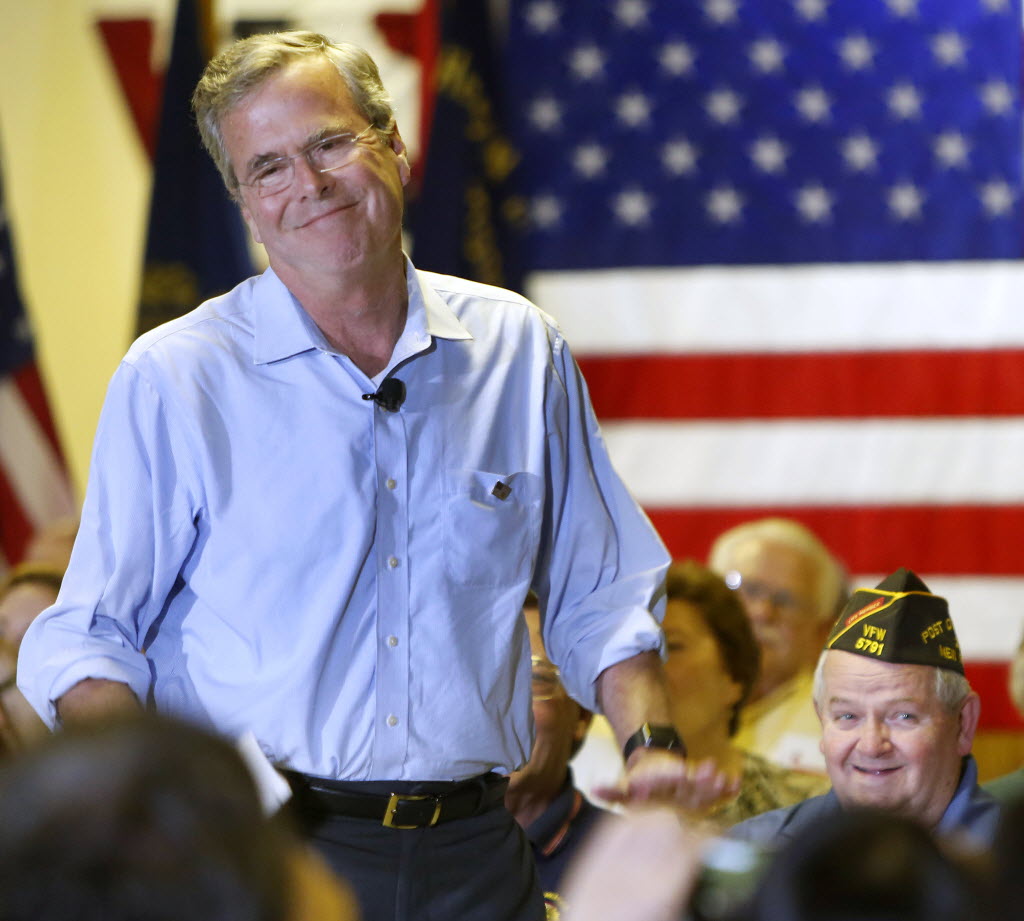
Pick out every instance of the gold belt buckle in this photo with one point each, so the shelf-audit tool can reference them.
(396, 798)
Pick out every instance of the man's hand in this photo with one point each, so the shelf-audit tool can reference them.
(639, 867)
(94, 699)
(634, 691)
(665, 777)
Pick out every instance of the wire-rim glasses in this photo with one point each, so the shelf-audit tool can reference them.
(323, 156)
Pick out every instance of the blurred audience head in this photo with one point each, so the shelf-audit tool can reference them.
(51, 545)
(142, 819)
(791, 587)
(713, 658)
(869, 866)
(1017, 678)
(1008, 864)
(560, 723)
(27, 590)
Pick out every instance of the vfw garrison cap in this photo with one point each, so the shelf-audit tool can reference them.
(899, 620)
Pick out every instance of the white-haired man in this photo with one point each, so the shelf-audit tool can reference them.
(791, 587)
(898, 719)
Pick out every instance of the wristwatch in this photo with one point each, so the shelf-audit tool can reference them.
(648, 736)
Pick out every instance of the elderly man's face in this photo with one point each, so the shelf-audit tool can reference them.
(779, 588)
(888, 742)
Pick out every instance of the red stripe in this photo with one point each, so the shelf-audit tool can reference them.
(940, 540)
(15, 528)
(990, 680)
(838, 385)
(30, 385)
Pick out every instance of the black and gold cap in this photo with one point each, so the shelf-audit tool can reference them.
(899, 620)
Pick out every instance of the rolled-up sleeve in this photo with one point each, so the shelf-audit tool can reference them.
(137, 528)
(602, 566)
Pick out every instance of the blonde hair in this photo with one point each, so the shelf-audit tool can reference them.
(830, 577)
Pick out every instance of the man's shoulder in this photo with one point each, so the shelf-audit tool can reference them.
(454, 284)
(1007, 788)
(462, 294)
(220, 323)
(772, 827)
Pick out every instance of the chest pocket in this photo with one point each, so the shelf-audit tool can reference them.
(492, 524)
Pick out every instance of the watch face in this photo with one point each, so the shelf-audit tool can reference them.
(648, 736)
(662, 737)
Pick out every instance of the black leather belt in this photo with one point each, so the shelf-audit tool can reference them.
(428, 803)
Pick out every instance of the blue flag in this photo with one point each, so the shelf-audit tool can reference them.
(654, 132)
(465, 219)
(196, 245)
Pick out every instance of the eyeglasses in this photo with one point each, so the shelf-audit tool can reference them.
(323, 156)
(754, 592)
(545, 678)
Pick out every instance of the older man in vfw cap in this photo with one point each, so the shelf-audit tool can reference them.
(898, 719)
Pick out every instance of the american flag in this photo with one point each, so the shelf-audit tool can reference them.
(34, 489)
(783, 238)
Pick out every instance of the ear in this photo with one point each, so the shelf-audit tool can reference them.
(579, 732)
(402, 155)
(249, 222)
(735, 693)
(970, 712)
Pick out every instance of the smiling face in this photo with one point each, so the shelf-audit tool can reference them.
(889, 742)
(323, 223)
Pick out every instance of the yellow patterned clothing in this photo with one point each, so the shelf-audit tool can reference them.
(766, 786)
(783, 727)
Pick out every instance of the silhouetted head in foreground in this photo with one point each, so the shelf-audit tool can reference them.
(869, 866)
(137, 820)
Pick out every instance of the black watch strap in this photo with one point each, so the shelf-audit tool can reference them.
(653, 736)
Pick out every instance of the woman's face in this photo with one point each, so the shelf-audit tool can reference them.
(703, 694)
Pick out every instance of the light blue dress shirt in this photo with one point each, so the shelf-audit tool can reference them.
(262, 549)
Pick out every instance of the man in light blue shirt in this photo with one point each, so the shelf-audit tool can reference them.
(317, 503)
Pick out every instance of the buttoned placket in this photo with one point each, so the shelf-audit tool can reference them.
(390, 445)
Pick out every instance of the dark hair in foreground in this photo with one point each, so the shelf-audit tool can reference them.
(869, 866)
(142, 819)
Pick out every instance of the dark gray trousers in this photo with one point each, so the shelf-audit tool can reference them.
(474, 869)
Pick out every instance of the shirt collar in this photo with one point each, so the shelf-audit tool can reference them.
(956, 812)
(284, 329)
(440, 319)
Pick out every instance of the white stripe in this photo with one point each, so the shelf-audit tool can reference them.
(987, 612)
(29, 463)
(966, 305)
(873, 461)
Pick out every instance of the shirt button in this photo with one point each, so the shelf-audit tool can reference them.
(392, 720)
(392, 641)
(392, 561)
(390, 483)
